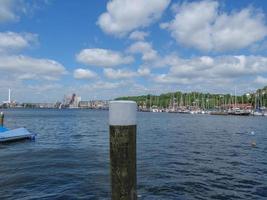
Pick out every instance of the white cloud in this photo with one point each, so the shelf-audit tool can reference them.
(102, 85)
(221, 72)
(261, 80)
(84, 74)
(12, 10)
(143, 71)
(119, 74)
(145, 48)
(40, 88)
(203, 26)
(109, 89)
(7, 11)
(10, 41)
(138, 35)
(23, 67)
(103, 58)
(39, 92)
(124, 16)
(169, 79)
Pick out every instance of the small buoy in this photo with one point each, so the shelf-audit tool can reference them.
(139, 195)
(252, 133)
(253, 144)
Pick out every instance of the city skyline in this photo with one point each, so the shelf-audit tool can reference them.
(107, 49)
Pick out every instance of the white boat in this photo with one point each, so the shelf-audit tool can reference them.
(258, 113)
(155, 110)
(16, 134)
(193, 112)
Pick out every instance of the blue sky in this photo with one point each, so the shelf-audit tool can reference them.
(105, 49)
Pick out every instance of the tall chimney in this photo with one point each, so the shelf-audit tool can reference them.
(9, 95)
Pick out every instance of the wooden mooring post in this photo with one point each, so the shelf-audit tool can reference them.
(122, 129)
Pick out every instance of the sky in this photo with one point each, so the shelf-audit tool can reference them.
(106, 49)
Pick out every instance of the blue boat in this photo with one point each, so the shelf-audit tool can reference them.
(14, 135)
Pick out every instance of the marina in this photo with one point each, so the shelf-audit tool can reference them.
(133, 100)
(249, 104)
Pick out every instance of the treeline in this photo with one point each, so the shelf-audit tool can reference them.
(201, 100)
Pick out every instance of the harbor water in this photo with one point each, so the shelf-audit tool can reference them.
(178, 156)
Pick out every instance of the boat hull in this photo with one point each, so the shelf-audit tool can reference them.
(239, 114)
(218, 113)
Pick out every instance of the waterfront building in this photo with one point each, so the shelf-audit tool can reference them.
(75, 101)
(71, 101)
(85, 104)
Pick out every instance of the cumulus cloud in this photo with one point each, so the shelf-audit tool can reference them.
(102, 58)
(103, 85)
(119, 74)
(145, 48)
(213, 72)
(144, 71)
(125, 73)
(84, 74)
(39, 92)
(7, 11)
(24, 67)
(10, 41)
(111, 89)
(138, 35)
(169, 79)
(201, 25)
(261, 80)
(15, 69)
(125, 16)
(40, 88)
(12, 10)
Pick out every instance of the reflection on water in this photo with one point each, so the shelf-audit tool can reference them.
(179, 156)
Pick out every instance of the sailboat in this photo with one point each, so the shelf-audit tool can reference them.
(238, 111)
(257, 111)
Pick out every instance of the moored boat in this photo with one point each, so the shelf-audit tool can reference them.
(218, 113)
(258, 113)
(239, 112)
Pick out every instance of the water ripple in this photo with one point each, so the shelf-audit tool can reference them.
(179, 157)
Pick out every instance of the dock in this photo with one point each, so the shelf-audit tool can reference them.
(16, 134)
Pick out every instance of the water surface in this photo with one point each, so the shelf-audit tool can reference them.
(179, 156)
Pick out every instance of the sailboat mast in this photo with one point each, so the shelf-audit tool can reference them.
(235, 97)
(255, 101)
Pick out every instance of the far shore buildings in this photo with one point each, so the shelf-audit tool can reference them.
(75, 101)
(69, 101)
(97, 104)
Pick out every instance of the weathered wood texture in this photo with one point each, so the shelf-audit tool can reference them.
(123, 162)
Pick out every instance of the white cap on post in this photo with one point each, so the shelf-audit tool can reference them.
(122, 113)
